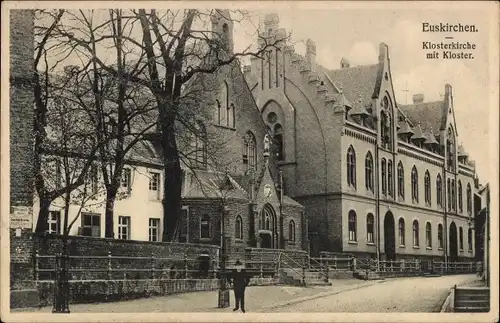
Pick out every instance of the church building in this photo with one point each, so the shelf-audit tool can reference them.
(376, 178)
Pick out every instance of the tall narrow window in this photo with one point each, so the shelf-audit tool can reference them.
(461, 238)
(278, 141)
(401, 181)
(469, 239)
(440, 236)
(416, 241)
(154, 229)
(205, 227)
(453, 196)
(469, 199)
(414, 184)
(384, 176)
(428, 235)
(126, 178)
(198, 155)
(269, 73)
(369, 228)
(230, 115)
(124, 227)
(352, 225)
(238, 228)
(351, 167)
(448, 193)
(369, 171)
(427, 188)
(390, 190)
(291, 231)
(439, 191)
(223, 104)
(460, 197)
(249, 154)
(401, 227)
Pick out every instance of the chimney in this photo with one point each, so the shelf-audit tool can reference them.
(344, 63)
(418, 98)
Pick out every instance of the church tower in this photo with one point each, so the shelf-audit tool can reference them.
(222, 27)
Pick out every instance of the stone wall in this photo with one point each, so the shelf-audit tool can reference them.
(118, 290)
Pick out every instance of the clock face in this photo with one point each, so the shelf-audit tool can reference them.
(267, 190)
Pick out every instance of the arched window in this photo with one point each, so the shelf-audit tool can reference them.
(369, 228)
(414, 184)
(352, 225)
(401, 181)
(401, 229)
(291, 231)
(223, 104)
(384, 176)
(230, 115)
(440, 236)
(453, 195)
(369, 171)
(389, 178)
(448, 193)
(469, 239)
(460, 197)
(386, 124)
(238, 228)
(278, 141)
(416, 241)
(351, 167)
(427, 188)
(428, 235)
(439, 191)
(205, 227)
(469, 199)
(249, 151)
(197, 141)
(461, 238)
(450, 149)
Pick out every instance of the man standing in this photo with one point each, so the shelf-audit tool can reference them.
(240, 281)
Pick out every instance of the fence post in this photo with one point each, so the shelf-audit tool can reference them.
(402, 265)
(152, 266)
(185, 266)
(304, 275)
(109, 265)
(36, 265)
(353, 263)
(214, 268)
(335, 262)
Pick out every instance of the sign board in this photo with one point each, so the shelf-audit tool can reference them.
(21, 217)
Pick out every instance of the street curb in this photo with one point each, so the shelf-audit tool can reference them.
(320, 295)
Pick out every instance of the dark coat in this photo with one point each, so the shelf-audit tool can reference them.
(240, 280)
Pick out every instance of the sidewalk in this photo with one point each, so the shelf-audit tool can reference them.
(257, 298)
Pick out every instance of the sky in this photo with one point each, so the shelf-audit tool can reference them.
(354, 30)
(356, 34)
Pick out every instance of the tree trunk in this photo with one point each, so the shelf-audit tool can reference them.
(42, 224)
(109, 216)
(172, 179)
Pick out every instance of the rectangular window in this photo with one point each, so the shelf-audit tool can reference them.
(126, 178)
(154, 229)
(124, 227)
(154, 185)
(91, 225)
(54, 221)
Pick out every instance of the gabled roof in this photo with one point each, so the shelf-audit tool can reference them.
(429, 114)
(356, 82)
(202, 184)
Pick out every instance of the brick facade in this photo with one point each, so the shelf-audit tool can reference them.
(311, 103)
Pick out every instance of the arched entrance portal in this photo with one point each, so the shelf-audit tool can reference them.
(267, 228)
(389, 237)
(453, 242)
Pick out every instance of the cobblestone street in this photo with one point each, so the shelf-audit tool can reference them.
(414, 294)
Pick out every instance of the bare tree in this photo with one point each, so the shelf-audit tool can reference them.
(177, 46)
